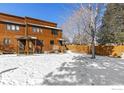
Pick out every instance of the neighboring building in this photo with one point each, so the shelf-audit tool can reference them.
(28, 35)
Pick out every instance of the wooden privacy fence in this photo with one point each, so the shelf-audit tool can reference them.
(100, 49)
(79, 48)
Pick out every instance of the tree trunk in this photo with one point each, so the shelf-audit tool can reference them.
(93, 41)
(93, 47)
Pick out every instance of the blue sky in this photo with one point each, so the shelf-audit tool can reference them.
(51, 11)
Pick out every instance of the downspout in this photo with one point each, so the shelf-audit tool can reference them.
(26, 35)
(26, 27)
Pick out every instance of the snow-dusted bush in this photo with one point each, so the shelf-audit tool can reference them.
(122, 56)
(69, 51)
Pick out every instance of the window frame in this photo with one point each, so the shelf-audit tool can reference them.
(36, 29)
(54, 32)
(17, 26)
(60, 42)
(52, 42)
(33, 29)
(6, 41)
(12, 27)
(8, 26)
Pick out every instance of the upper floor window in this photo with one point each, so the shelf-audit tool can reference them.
(13, 27)
(17, 28)
(8, 27)
(54, 32)
(36, 29)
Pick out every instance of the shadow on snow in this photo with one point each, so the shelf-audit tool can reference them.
(85, 71)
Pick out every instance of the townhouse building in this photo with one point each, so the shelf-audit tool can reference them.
(28, 35)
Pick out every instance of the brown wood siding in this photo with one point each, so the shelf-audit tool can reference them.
(10, 18)
(4, 33)
(33, 21)
(45, 35)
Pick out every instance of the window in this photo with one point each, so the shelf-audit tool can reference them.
(13, 27)
(8, 27)
(54, 32)
(6, 41)
(51, 42)
(17, 28)
(60, 42)
(41, 30)
(33, 29)
(36, 29)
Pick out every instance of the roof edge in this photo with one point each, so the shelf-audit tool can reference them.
(40, 20)
(1, 13)
(11, 15)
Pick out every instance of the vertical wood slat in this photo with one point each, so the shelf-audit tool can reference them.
(100, 50)
(44, 35)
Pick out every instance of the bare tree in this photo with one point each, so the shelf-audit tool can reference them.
(96, 20)
(83, 24)
(76, 25)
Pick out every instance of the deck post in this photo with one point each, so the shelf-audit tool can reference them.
(35, 44)
(27, 47)
(17, 47)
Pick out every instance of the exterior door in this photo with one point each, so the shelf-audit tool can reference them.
(39, 46)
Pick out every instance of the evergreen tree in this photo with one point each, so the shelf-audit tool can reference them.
(112, 30)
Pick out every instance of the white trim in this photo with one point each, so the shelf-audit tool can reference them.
(61, 39)
(32, 37)
(45, 26)
(31, 24)
(12, 22)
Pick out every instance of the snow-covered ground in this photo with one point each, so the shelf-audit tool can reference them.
(60, 69)
(122, 56)
(29, 70)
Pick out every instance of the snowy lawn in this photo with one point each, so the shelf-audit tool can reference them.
(60, 69)
(29, 70)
